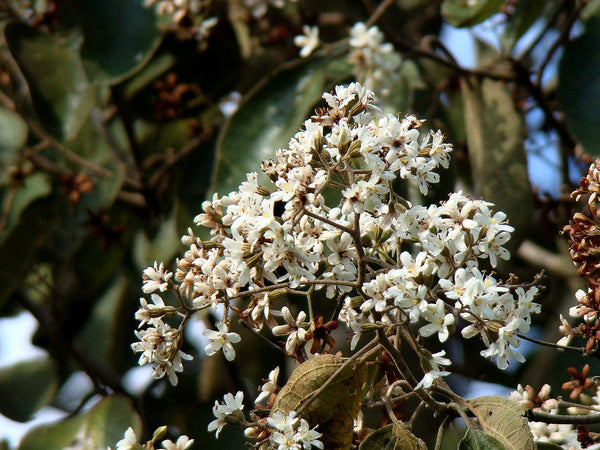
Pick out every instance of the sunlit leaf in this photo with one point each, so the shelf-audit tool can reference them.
(100, 427)
(335, 408)
(494, 133)
(119, 37)
(27, 386)
(61, 94)
(477, 440)
(265, 121)
(460, 13)
(504, 420)
(579, 86)
(13, 135)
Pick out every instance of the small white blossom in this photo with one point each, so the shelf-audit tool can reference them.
(222, 411)
(308, 41)
(182, 443)
(221, 339)
(129, 441)
(156, 278)
(270, 387)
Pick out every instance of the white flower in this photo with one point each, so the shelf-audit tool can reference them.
(222, 339)
(308, 41)
(129, 441)
(222, 411)
(270, 387)
(307, 437)
(159, 346)
(282, 421)
(436, 314)
(183, 442)
(432, 369)
(156, 278)
(293, 329)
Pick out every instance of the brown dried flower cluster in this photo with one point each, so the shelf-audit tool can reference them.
(584, 247)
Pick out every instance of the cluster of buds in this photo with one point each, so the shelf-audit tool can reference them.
(325, 221)
(584, 247)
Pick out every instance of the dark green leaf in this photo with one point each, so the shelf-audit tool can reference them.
(460, 13)
(13, 135)
(266, 120)
(61, 94)
(100, 427)
(579, 86)
(119, 38)
(20, 244)
(546, 446)
(495, 132)
(26, 387)
(34, 186)
(478, 440)
(102, 323)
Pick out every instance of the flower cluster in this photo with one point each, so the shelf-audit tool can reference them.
(192, 10)
(375, 62)
(584, 247)
(325, 220)
(131, 442)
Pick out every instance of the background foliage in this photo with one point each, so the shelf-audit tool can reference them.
(111, 135)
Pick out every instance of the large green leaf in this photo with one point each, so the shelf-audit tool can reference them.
(495, 134)
(579, 86)
(120, 36)
(13, 135)
(102, 323)
(33, 187)
(61, 94)
(19, 245)
(100, 427)
(26, 387)
(266, 120)
(460, 13)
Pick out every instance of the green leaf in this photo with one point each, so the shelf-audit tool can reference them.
(61, 94)
(460, 13)
(579, 86)
(392, 437)
(546, 446)
(27, 386)
(527, 12)
(20, 244)
(162, 247)
(13, 135)
(495, 134)
(120, 37)
(34, 186)
(100, 427)
(504, 420)
(266, 120)
(477, 440)
(591, 9)
(102, 323)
